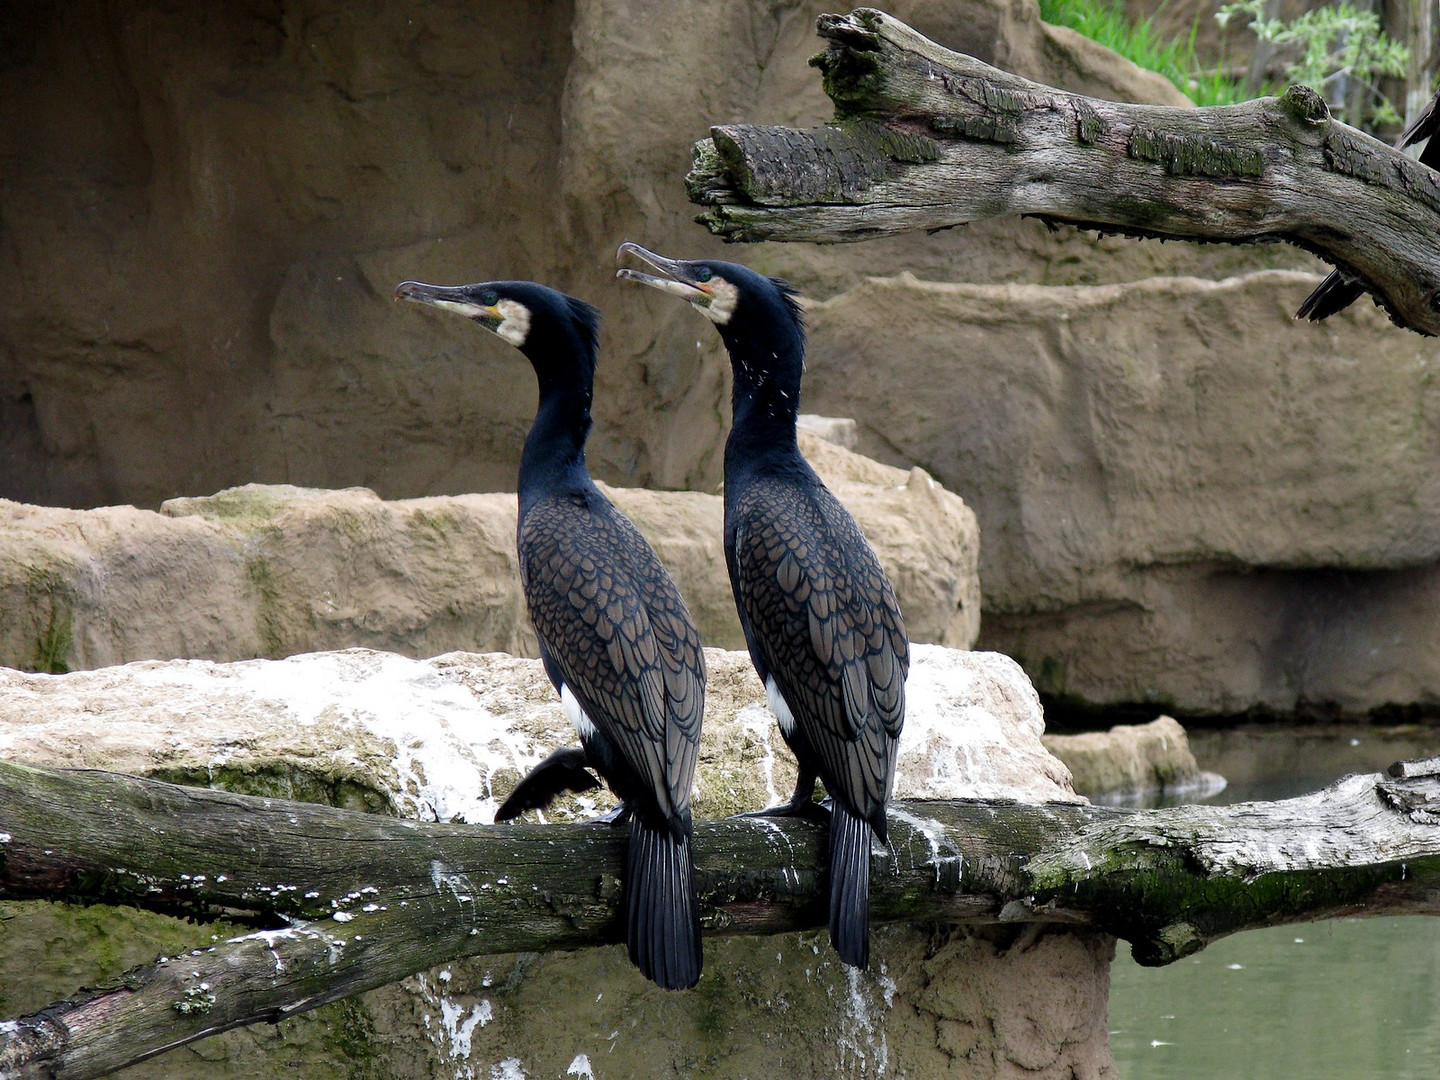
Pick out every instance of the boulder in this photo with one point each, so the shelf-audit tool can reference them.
(1206, 520)
(445, 738)
(275, 570)
(1133, 762)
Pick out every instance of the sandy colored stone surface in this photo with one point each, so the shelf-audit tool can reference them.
(1147, 760)
(277, 570)
(445, 738)
(1186, 498)
(204, 224)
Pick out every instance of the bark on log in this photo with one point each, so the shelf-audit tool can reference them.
(355, 901)
(925, 138)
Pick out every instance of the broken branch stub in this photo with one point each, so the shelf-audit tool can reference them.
(925, 138)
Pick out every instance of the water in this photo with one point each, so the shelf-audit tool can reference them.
(1342, 999)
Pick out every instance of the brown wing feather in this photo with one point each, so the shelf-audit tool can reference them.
(826, 621)
(613, 621)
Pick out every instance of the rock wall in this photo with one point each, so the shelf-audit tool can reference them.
(1187, 499)
(277, 570)
(204, 219)
(447, 738)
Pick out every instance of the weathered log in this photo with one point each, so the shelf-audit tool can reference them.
(925, 138)
(355, 901)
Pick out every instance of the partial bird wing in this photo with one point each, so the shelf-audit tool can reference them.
(564, 770)
(825, 620)
(1339, 290)
(615, 626)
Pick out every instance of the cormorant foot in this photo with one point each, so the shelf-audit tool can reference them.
(615, 818)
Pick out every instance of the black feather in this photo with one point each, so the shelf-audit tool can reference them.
(564, 770)
(850, 886)
(662, 919)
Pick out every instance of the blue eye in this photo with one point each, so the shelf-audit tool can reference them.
(489, 298)
(703, 274)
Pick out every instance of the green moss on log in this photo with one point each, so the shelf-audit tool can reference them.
(1185, 155)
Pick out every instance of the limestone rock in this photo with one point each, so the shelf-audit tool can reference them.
(444, 738)
(271, 571)
(1132, 760)
(1187, 499)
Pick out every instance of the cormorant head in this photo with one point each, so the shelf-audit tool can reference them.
(734, 297)
(547, 326)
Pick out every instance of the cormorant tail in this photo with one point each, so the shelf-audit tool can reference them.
(562, 771)
(1335, 293)
(849, 886)
(662, 918)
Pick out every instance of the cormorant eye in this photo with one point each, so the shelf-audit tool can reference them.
(489, 298)
(704, 274)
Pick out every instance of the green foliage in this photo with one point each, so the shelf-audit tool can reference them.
(1330, 43)
(1104, 21)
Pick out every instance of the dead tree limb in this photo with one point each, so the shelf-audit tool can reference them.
(354, 901)
(924, 138)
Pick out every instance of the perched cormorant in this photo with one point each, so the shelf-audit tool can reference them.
(1340, 289)
(615, 636)
(819, 615)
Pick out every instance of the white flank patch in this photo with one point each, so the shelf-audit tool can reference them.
(584, 726)
(781, 710)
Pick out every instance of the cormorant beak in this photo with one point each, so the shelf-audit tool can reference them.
(679, 281)
(456, 298)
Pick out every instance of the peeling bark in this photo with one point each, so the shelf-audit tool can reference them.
(925, 138)
(354, 901)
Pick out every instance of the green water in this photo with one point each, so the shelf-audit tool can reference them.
(1344, 999)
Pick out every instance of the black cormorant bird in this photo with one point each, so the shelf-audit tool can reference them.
(819, 615)
(1340, 289)
(615, 636)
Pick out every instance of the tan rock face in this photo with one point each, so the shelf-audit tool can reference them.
(204, 225)
(272, 571)
(1167, 486)
(446, 738)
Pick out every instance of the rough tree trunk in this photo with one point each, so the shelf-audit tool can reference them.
(925, 138)
(354, 901)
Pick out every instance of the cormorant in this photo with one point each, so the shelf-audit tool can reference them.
(1341, 289)
(819, 615)
(615, 636)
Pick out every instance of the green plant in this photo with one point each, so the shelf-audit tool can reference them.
(1139, 42)
(1333, 43)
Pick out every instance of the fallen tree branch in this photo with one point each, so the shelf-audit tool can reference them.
(355, 901)
(925, 138)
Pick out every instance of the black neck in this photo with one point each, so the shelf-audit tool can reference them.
(766, 398)
(553, 461)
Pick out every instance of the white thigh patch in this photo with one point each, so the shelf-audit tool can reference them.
(583, 724)
(779, 708)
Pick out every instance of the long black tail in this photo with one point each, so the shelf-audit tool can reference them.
(1335, 293)
(662, 919)
(849, 886)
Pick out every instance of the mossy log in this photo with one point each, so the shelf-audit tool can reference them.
(925, 138)
(344, 901)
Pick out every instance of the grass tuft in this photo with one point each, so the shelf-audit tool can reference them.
(1104, 21)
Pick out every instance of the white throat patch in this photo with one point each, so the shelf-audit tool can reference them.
(514, 322)
(722, 305)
